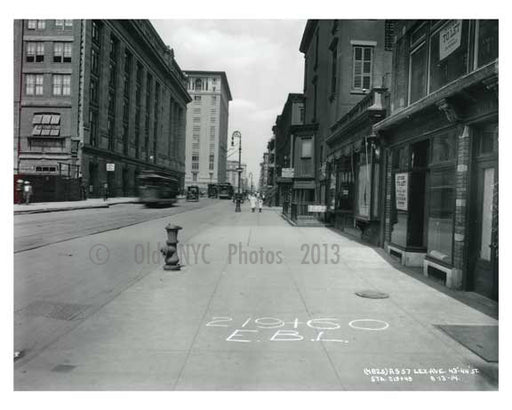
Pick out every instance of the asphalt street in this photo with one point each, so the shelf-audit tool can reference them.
(40, 229)
(258, 305)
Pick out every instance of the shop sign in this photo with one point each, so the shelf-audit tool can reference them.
(316, 208)
(449, 38)
(401, 190)
(287, 173)
(111, 167)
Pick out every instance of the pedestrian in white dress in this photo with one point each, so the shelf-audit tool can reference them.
(252, 200)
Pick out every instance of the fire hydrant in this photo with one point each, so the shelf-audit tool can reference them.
(170, 251)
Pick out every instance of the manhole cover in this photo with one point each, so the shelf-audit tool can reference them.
(372, 294)
(53, 310)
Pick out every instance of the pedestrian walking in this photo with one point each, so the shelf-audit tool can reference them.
(105, 191)
(27, 192)
(19, 191)
(252, 200)
(260, 202)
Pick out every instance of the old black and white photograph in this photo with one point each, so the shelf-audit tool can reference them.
(215, 201)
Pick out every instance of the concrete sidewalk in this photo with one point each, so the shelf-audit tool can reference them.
(39, 207)
(266, 306)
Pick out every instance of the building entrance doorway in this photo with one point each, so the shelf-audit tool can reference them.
(484, 217)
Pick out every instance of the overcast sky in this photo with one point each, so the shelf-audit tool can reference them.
(263, 64)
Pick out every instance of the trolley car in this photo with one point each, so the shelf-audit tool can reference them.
(157, 188)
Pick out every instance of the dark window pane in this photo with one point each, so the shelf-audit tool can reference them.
(443, 148)
(448, 53)
(418, 74)
(441, 211)
(487, 41)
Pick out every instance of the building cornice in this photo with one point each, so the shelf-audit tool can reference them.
(207, 73)
(308, 35)
(159, 51)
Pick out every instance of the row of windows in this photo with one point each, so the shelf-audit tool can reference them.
(201, 84)
(34, 84)
(62, 52)
(41, 24)
(46, 125)
(440, 53)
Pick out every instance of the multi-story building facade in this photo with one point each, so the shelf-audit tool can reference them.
(344, 61)
(47, 56)
(439, 148)
(96, 102)
(263, 180)
(291, 117)
(350, 174)
(207, 127)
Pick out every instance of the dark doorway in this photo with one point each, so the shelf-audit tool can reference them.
(484, 215)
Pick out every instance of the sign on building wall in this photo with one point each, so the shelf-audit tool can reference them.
(449, 38)
(401, 190)
(111, 167)
(287, 173)
(316, 208)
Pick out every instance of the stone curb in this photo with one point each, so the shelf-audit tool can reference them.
(72, 208)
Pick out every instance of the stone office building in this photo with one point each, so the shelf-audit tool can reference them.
(92, 95)
(439, 148)
(207, 128)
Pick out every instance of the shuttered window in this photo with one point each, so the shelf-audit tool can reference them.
(362, 68)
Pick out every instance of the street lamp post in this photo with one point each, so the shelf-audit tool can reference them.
(250, 175)
(238, 135)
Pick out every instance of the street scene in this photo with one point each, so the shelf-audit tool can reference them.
(185, 222)
(257, 305)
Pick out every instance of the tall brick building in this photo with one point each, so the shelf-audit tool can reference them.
(440, 152)
(92, 95)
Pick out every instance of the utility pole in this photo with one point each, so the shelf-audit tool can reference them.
(238, 135)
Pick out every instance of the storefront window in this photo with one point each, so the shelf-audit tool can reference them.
(441, 212)
(448, 53)
(345, 188)
(399, 233)
(376, 185)
(364, 190)
(487, 41)
(418, 74)
(443, 148)
(399, 195)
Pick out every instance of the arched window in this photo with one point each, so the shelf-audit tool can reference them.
(199, 84)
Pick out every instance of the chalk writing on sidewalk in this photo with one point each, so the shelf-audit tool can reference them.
(272, 329)
(408, 375)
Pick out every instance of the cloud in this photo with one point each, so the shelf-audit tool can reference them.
(262, 62)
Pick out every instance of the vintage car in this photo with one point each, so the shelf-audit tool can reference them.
(193, 193)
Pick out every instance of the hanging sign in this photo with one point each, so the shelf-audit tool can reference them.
(449, 38)
(401, 190)
(316, 208)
